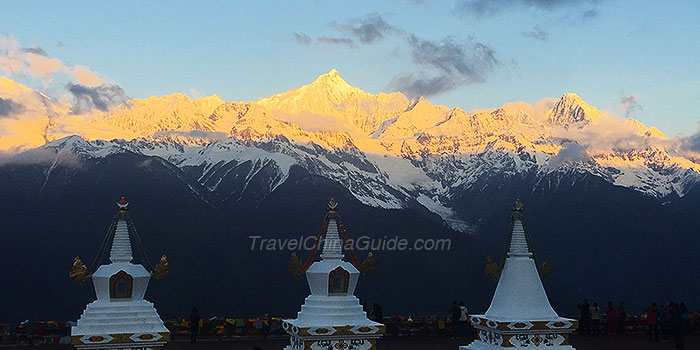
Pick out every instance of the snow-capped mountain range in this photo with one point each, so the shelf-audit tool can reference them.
(386, 149)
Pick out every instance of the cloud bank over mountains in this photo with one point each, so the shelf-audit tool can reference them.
(100, 97)
(16, 60)
(94, 111)
(85, 87)
(9, 108)
(389, 121)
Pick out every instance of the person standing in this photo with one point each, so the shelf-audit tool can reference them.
(622, 318)
(652, 321)
(377, 312)
(584, 317)
(595, 318)
(455, 315)
(194, 325)
(463, 319)
(665, 319)
(611, 314)
(265, 326)
(677, 326)
(684, 312)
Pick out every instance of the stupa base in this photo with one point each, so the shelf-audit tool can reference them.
(332, 343)
(119, 325)
(349, 337)
(480, 345)
(540, 334)
(124, 346)
(492, 339)
(148, 340)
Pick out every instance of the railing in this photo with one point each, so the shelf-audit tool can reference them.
(35, 332)
(231, 328)
(228, 328)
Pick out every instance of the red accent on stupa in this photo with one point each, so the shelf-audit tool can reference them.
(123, 201)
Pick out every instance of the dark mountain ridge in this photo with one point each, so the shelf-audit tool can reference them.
(607, 242)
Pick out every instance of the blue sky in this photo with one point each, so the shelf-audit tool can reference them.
(635, 58)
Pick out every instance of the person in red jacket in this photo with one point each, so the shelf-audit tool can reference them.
(652, 321)
(612, 317)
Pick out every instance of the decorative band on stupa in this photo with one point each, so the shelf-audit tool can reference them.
(520, 315)
(120, 318)
(332, 317)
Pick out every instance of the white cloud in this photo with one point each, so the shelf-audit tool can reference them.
(86, 77)
(194, 93)
(610, 133)
(44, 67)
(16, 60)
(571, 152)
(629, 104)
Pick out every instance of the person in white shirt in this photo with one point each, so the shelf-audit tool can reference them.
(463, 319)
(595, 318)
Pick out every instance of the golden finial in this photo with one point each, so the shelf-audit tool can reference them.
(546, 267)
(79, 272)
(518, 205)
(122, 205)
(161, 269)
(518, 208)
(332, 204)
(368, 265)
(492, 269)
(295, 266)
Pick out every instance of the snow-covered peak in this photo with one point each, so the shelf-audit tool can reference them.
(77, 145)
(329, 86)
(68, 141)
(331, 95)
(419, 117)
(333, 80)
(171, 112)
(9, 86)
(572, 109)
(642, 130)
(654, 132)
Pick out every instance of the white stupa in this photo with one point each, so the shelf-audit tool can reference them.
(520, 315)
(120, 318)
(332, 317)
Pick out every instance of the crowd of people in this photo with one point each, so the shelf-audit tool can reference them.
(672, 320)
(220, 327)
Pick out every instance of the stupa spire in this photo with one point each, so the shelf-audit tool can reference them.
(332, 244)
(331, 317)
(121, 244)
(520, 314)
(332, 250)
(518, 240)
(120, 318)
